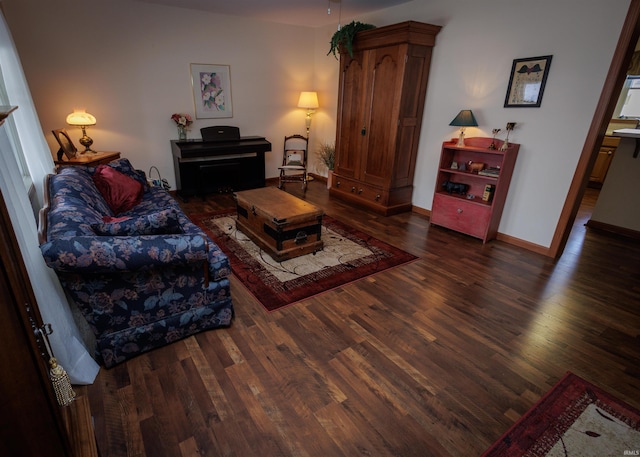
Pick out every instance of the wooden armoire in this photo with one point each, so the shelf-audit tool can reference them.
(381, 96)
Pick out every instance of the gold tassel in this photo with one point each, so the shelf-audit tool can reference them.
(61, 383)
(59, 378)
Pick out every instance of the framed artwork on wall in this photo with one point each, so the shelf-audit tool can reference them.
(211, 91)
(527, 81)
(67, 148)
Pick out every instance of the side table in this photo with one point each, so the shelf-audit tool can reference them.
(89, 159)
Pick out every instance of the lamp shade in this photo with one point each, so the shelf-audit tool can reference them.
(81, 118)
(308, 100)
(465, 118)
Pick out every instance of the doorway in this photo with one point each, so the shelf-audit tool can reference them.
(604, 111)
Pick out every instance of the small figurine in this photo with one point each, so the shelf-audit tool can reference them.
(510, 127)
(492, 146)
(475, 167)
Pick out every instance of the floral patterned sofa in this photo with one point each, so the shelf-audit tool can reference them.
(142, 275)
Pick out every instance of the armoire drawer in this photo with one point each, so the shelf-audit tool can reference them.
(360, 190)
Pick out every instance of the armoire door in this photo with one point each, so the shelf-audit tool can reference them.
(416, 76)
(352, 127)
(385, 68)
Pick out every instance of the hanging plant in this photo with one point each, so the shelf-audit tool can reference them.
(343, 38)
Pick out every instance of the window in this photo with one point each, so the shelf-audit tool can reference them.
(630, 98)
(12, 133)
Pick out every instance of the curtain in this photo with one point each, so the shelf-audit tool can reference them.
(66, 341)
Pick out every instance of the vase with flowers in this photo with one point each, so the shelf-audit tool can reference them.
(183, 121)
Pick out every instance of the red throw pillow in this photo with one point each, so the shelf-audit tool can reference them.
(119, 190)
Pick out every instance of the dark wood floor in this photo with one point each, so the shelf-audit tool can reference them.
(435, 358)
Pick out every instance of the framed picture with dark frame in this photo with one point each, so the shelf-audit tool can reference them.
(211, 85)
(527, 81)
(67, 147)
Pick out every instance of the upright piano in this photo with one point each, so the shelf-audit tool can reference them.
(222, 161)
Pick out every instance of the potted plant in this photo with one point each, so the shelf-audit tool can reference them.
(327, 156)
(343, 38)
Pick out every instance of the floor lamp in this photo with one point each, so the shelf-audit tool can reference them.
(308, 101)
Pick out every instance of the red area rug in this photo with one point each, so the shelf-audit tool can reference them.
(575, 418)
(348, 255)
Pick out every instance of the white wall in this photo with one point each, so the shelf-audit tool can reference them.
(127, 63)
(131, 72)
(323, 128)
(470, 70)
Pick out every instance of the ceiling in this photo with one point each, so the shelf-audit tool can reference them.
(309, 13)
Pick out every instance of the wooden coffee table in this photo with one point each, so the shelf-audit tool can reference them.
(281, 224)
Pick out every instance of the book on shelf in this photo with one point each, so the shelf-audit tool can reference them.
(491, 171)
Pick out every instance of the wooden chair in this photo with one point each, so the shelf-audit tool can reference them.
(294, 161)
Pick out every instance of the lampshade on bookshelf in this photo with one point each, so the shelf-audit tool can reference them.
(465, 118)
